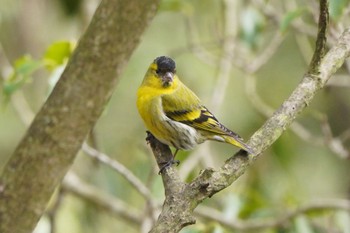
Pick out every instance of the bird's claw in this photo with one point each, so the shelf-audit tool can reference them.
(168, 164)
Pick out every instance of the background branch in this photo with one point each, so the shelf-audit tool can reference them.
(72, 184)
(121, 169)
(260, 224)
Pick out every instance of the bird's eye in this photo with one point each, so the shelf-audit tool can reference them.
(158, 71)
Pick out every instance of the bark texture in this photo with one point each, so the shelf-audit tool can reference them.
(55, 136)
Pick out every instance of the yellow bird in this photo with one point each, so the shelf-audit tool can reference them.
(174, 114)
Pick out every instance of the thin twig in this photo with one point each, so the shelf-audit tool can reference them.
(259, 224)
(194, 46)
(52, 211)
(121, 169)
(263, 57)
(267, 111)
(72, 184)
(321, 40)
(228, 47)
(276, 17)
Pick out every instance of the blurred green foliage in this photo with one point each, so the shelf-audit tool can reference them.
(289, 17)
(56, 55)
(22, 70)
(292, 172)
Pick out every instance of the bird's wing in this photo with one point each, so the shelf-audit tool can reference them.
(200, 118)
(185, 107)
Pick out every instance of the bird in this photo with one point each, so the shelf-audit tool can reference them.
(174, 114)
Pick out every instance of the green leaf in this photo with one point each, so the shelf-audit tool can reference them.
(57, 54)
(22, 71)
(25, 66)
(289, 18)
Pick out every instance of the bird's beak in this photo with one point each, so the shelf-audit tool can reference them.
(167, 78)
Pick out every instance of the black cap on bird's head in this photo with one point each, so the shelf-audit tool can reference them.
(166, 69)
(165, 64)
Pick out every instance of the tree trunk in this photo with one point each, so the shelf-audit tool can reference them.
(49, 147)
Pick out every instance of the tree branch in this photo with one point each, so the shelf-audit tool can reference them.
(259, 224)
(321, 40)
(49, 147)
(181, 199)
(72, 184)
(121, 169)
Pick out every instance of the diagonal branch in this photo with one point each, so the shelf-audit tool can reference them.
(182, 199)
(281, 119)
(121, 169)
(260, 224)
(72, 184)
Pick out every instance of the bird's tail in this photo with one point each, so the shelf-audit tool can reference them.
(236, 141)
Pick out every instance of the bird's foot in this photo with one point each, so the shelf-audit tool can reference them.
(164, 165)
(168, 164)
